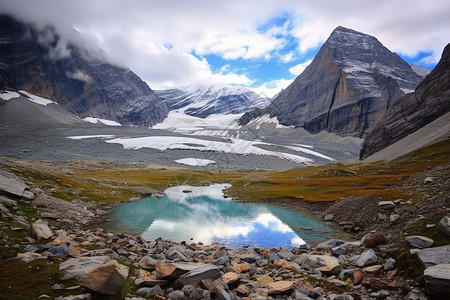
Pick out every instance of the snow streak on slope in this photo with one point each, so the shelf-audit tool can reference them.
(237, 146)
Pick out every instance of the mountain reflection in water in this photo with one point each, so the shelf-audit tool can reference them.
(203, 214)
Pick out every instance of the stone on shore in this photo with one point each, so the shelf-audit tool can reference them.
(330, 270)
(437, 280)
(434, 256)
(105, 279)
(173, 271)
(444, 225)
(367, 258)
(419, 241)
(372, 240)
(79, 267)
(41, 230)
(198, 274)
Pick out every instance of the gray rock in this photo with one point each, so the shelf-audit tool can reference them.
(419, 241)
(272, 256)
(147, 263)
(434, 256)
(222, 260)
(60, 251)
(178, 251)
(393, 218)
(337, 251)
(329, 244)
(390, 264)
(250, 258)
(176, 295)
(328, 217)
(386, 203)
(150, 292)
(444, 225)
(41, 230)
(198, 274)
(428, 179)
(262, 262)
(367, 258)
(78, 267)
(437, 280)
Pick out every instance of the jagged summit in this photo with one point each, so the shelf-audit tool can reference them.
(346, 89)
(207, 100)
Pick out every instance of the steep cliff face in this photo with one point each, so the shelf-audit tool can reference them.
(346, 89)
(209, 100)
(428, 102)
(36, 61)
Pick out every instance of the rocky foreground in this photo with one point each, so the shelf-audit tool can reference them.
(95, 264)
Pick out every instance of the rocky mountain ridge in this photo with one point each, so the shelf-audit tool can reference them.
(413, 111)
(33, 60)
(202, 102)
(346, 89)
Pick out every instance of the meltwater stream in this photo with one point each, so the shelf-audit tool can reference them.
(203, 214)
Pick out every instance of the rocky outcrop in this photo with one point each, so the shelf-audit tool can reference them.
(413, 111)
(346, 89)
(78, 79)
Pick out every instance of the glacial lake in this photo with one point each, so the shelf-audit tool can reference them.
(203, 214)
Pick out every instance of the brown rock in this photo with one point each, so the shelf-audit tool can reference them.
(283, 263)
(372, 240)
(280, 287)
(358, 276)
(106, 279)
(264, 280)
(240, 268)
(74, 251)
(378, 283)
(331, 270)
(230, 277)
(242, 290)
(172, 271)
(59, 241)
(147, 279)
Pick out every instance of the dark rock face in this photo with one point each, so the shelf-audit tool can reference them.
(428, 102)
(346, 89)
(214, 100)
(78, 79)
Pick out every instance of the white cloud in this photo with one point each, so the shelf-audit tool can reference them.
(271, 88)
(298, 69)
(135, 33)
(79, 75)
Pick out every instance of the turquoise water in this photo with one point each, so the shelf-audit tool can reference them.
(202, 214)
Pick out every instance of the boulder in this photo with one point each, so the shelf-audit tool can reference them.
(316, 261)
(147, 263)
(192, 293)
(380, 284)
(12, 184)
(173, 271)
(230, 277)
(434, 256)
(264, 280)
(372, 240)
(105, 279)
(78, 267)
(178, 251)
(198, 274)
(330, 270)
(151, 292)
(41, 230)
(280, 287)
(367, 258)
(419, 241)
(444, 225)
(437, 280)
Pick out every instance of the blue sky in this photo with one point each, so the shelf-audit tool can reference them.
(259, 44)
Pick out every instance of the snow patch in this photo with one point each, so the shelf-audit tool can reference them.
(236, 146)
(266, 119)
(8, 95)
(101, 121)
(195, 162)
(178, 119)
(82, 137)
(37, 99)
